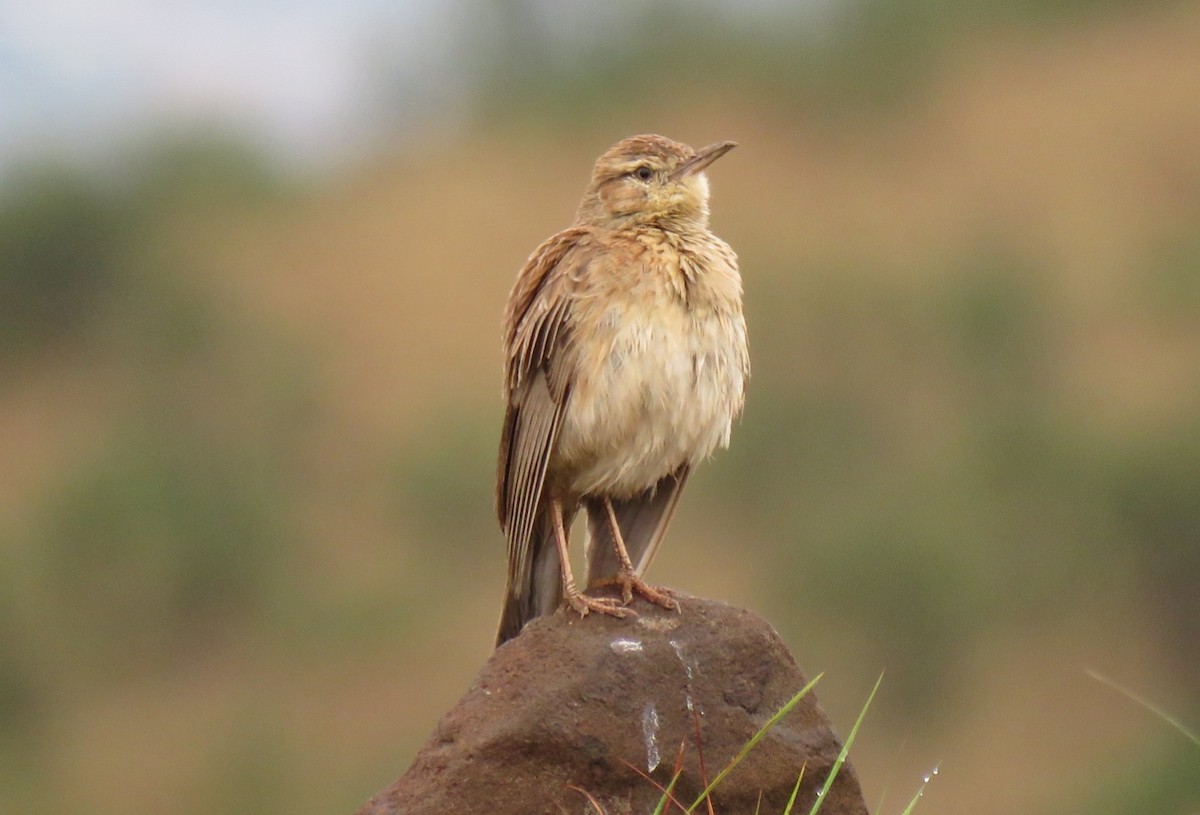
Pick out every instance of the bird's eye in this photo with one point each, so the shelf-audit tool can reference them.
(644, 173)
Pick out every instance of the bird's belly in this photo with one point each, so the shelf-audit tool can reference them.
(653, 395)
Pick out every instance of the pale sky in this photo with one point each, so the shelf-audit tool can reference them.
(305, 79)
(299, 75)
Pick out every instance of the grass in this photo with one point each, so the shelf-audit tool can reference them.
(845, 751)
(668, 798)
(755, 739)
(912, 804)
(1157, 777)
(1186, 732)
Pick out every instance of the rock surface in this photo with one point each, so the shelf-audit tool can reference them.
(570, 701)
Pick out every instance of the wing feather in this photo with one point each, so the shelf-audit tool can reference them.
(537, 375)
(536, 428)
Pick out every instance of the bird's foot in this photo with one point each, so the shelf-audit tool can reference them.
(631, 584)
(583, 605)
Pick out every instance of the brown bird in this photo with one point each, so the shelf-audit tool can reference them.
(625, 366)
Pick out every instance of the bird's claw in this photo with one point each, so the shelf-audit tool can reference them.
(631, 584)
(583, 605)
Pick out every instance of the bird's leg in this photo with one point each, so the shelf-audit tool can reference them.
(627, 576)
(571, 595)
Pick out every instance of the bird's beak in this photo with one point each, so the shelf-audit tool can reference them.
(702, 159)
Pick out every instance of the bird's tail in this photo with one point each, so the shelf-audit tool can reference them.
(541, 590)
(643, 520)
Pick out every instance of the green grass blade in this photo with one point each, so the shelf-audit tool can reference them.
(845, 751)
(755, 739)
(1150, 706)
(795, 790)
(666, 796)
(920, 791)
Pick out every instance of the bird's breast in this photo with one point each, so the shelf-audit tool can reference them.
(659, 382)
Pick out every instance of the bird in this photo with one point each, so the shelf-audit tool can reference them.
(625, 365)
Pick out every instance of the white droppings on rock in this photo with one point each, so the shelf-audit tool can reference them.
(687, 669)
(650, 736)
(624, 645)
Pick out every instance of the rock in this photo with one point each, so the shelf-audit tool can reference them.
(570, 701)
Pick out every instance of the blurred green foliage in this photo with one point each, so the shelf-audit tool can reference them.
(923, 480)
(73, 242)
(448, 469)
(1164, 777)
(168, 535)
(851, 57)
(1172, 279)
(252, 775)
(201, 167)
(61, 239)
(147, 549)
(1153, 488)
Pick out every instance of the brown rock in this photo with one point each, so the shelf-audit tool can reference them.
(569, 701)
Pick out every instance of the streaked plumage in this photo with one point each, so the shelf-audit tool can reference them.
(625, 365)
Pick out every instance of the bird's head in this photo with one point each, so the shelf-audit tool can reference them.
(651, 179)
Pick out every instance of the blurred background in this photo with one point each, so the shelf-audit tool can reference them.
(253, 259)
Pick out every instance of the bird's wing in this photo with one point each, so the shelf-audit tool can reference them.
(538, 370)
